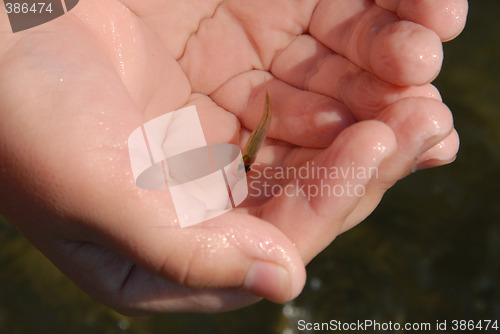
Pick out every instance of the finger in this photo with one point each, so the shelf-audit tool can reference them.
(308, 65)
(131, 288)
(446, 17)
(418, 124)
(234, 251)
(400, 52)
(298, 117)
(311, 208)
(440, 154)
(102, 206)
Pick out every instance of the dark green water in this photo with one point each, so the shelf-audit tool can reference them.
(431, 251)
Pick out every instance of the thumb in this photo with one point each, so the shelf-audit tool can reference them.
(98, 227)
(236, 251)
(126, 252)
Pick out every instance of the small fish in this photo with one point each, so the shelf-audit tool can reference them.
(258, 135)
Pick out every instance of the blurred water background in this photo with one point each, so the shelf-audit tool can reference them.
(431, 251)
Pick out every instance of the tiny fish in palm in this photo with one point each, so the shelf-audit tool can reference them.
(258, 135)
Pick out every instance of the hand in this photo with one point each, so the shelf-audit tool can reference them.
(349, 84)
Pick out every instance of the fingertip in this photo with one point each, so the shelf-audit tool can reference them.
(274, 282)
(419, 124)
(405, 53)
(446, 17)
(240, 252)
(441, 154)
(377, 138)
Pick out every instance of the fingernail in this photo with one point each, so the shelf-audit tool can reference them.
(431, 163)
(268, 280)
(440, 154)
